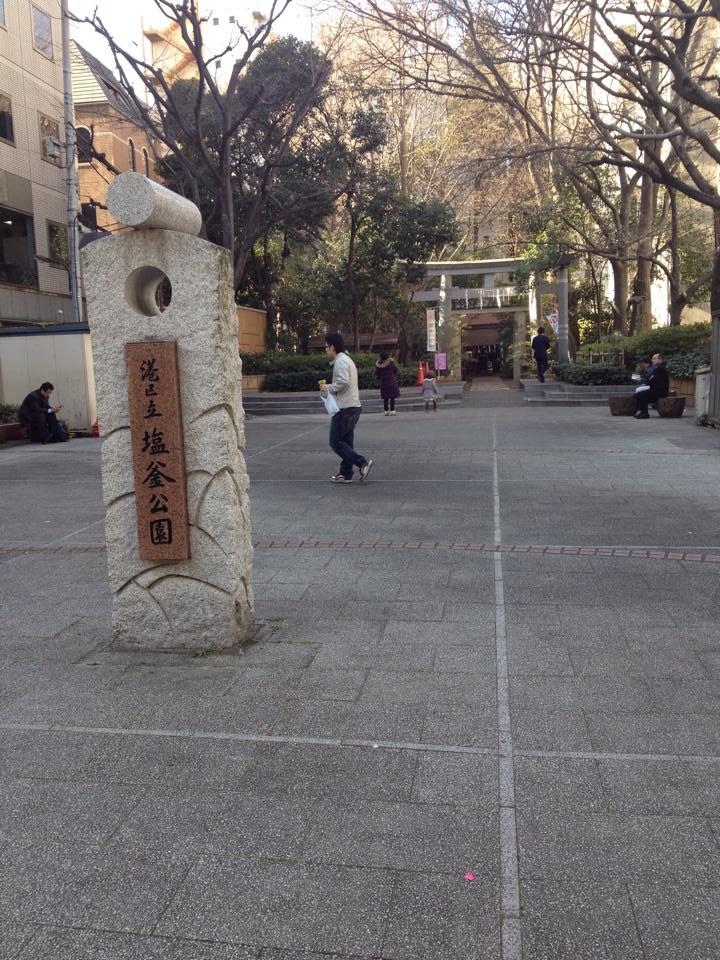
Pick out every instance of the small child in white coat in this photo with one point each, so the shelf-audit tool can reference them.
(430, 392)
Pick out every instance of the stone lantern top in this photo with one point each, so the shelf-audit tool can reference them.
(136, 201)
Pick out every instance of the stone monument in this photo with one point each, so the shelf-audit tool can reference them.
(163, 328)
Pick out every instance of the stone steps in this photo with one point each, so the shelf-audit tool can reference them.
(290, 404)
(553, 393)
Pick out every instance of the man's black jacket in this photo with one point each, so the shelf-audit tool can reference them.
(32, 406)
(659, 380)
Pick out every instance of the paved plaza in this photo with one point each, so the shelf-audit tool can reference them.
(481, 720)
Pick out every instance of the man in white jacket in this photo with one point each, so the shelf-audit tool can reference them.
(344, 388)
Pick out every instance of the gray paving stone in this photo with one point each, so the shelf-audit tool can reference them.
(232, 713)
(317, 684)
(578, 693)
(572, 846)
(668, 786)
(51, 754)
(696, 734)
(224, 824)
(460, 726)
(93, 887)
(442, 918)
(354, 721)
(57, 944)
(461, 779)
(13, 936)
(678, 921)
(289, 905)
(182, 760)
(437, 688)
(558, 784)
(566, 921)
(33, 810)
(320, 771)
(404, 836)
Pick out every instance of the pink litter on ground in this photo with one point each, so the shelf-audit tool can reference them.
(469, 876)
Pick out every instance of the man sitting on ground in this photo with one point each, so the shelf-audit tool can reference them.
(658, 381)
(40, 417)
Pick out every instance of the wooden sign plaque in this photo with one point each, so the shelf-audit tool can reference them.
(158, 451)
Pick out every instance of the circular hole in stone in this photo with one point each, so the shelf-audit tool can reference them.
(148, 291)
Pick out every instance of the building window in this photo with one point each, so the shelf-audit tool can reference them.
(58, 245)
(231, 19)
(216, 21)
(6, 121)
(50, 146)
(2, 13)
(146, 162)
(42, 33)
(17, 249)
(84, 144)
(133, 158)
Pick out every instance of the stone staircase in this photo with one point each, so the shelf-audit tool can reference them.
(553, 393)
(289, 404)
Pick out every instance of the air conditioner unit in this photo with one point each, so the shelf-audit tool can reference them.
(52, 148)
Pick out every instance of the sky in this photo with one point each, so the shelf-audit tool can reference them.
(124, 19)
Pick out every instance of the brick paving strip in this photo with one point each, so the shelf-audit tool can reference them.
(628, 552)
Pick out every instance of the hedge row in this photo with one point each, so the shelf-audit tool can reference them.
(691, 338)
(278, 362)
(303, 380)
(580, 373)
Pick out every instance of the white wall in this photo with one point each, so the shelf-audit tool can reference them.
(65, 359)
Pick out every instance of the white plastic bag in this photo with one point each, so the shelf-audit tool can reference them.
(330, 402)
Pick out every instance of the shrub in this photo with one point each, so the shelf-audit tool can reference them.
(579, 373)
(8, 413)
(305, 380)
(275, 361)
(690, 338)
(684, 365)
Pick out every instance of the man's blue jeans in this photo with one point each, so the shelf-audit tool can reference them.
(342, 436)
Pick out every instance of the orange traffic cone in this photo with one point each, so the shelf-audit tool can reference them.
(427, 367)
(421, 376)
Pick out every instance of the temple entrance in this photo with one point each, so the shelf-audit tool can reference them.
(473, 300)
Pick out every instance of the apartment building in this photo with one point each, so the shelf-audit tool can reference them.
(34, 281)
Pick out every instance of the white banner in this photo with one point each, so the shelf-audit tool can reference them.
(431, 337)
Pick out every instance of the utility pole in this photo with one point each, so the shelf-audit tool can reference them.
(70, 169)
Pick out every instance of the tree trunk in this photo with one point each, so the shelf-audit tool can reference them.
(352, 286)
(715, 315)
(643, 268)
(619, 304)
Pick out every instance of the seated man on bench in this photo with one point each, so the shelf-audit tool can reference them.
(40, 418)
(658, 381)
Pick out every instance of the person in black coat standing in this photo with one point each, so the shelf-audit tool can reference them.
(658, 381)
(387, 374)
(540, 345)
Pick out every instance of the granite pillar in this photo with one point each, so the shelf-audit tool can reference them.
(162, 283)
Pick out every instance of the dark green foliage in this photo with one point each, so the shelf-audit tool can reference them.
(685, 364)
(307, 379)
(691, 338)
(275, 361)
(8, 413)
(578, 373)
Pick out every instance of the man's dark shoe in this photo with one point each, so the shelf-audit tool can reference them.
(365, 469)
(642, 416)
(341, 478)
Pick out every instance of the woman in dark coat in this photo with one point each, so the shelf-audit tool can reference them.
(387, 374)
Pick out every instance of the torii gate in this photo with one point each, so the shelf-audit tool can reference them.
(453, 303)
